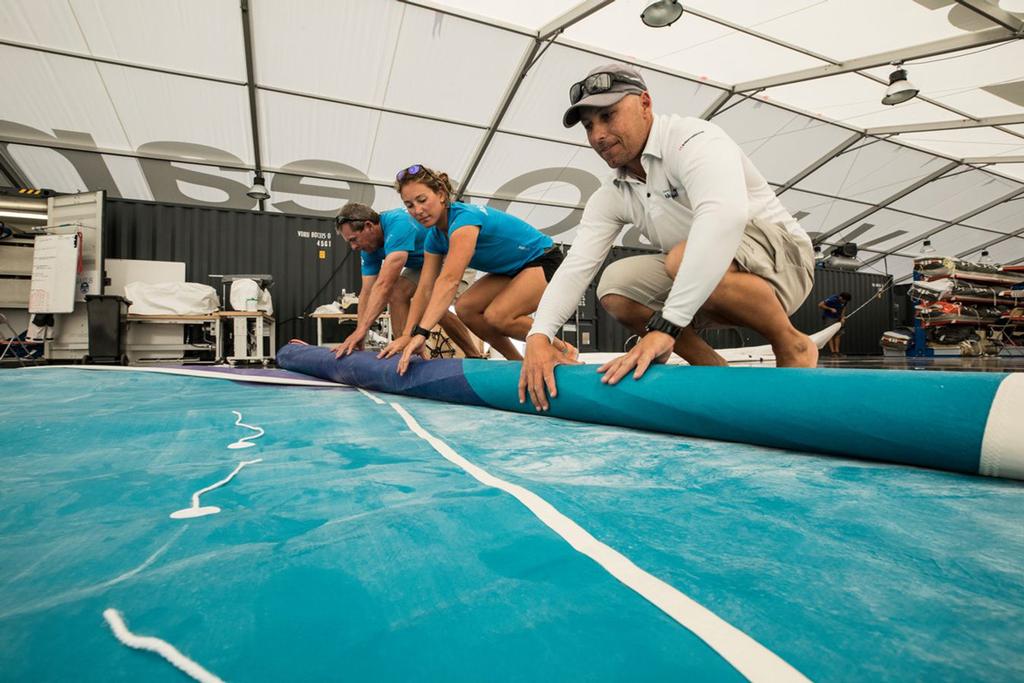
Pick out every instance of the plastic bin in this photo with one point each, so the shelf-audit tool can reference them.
(108, 328)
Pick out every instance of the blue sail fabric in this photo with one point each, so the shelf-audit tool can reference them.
(928, 419)
(442, 380)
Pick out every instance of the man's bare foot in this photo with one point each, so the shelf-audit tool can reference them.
(798, 353)
(297, 341)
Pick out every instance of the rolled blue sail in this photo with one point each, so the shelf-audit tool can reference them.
(958, 421)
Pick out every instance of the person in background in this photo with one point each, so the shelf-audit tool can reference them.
(833, 309)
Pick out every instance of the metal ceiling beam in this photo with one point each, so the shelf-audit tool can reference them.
(570, 17)
(934, 175)
(10, 168)
(948, 224)
(1009, 120)
(996, 34)
(250, 86)
(486, 21)
(506, 101)
(991, 242)
(120, 62)
(991, 11)
(829, 156)
(716, 105)
(269, 169)
(1007, 159)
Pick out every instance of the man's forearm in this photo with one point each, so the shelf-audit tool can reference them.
(375, 306)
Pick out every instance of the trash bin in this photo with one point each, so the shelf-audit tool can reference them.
(108, 328)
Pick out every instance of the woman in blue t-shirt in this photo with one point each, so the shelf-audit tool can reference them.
(519, 261)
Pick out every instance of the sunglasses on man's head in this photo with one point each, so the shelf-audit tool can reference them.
(598, 83)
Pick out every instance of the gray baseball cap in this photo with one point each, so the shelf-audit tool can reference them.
(611, 82)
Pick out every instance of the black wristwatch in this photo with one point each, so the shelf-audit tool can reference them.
(658, 324)
(421, 331)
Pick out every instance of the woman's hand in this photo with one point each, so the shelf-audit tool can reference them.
(415, 344)
(395, 347)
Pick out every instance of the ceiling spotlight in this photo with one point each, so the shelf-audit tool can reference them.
(662, 13)
(258, 189)
(900, 89)
(927, 247)
(986, 258)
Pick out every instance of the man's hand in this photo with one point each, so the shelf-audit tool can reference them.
(538, 370)
(394, 347)
(416, 343)
(353, 342)
(653, 347)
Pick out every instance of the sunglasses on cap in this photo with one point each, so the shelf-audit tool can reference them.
(595, 84)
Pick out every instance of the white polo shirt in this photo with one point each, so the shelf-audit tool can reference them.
(700, 187)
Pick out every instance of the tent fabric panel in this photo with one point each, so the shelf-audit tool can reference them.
(128, 177)
(843, 30)
(510, 157)
(531, 15)
(403, 141)
(56, 93)
(885, 229)
(872, 171)
(46, 23)
(422, 79)
(1012, 170)
(955, 194)
(822, 213)
(157, 108)
(1006, 218)
(897, 266)
(544, 94)
(856, 101)
(47, 168)
(967, 142)
(692, 45)
(1005, 252)
(201, 38)
(954, 239)
(346, 47)
(779, 142)
(295, 129)
(970, 81)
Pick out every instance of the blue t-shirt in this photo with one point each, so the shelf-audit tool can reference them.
(836, 302)
(401, 233)
(505, 243)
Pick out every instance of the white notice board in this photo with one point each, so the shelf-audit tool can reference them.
(55, 263)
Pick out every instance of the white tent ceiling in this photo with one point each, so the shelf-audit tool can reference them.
(150, 99)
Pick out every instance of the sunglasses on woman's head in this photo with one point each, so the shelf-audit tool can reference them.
(412, 170)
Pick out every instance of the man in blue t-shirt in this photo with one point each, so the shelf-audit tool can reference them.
(390, 246)
(833, 309)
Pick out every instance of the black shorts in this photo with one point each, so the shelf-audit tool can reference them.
(548, 261)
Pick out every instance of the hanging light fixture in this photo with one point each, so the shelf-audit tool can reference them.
(258, 189)
(662, 13)
(927, 247)
(900, 89)
(986, 258)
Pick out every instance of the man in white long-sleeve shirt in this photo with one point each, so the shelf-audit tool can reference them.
(729, 253)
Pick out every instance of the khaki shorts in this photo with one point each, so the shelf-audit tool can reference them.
(468, 278)
(767, 250)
